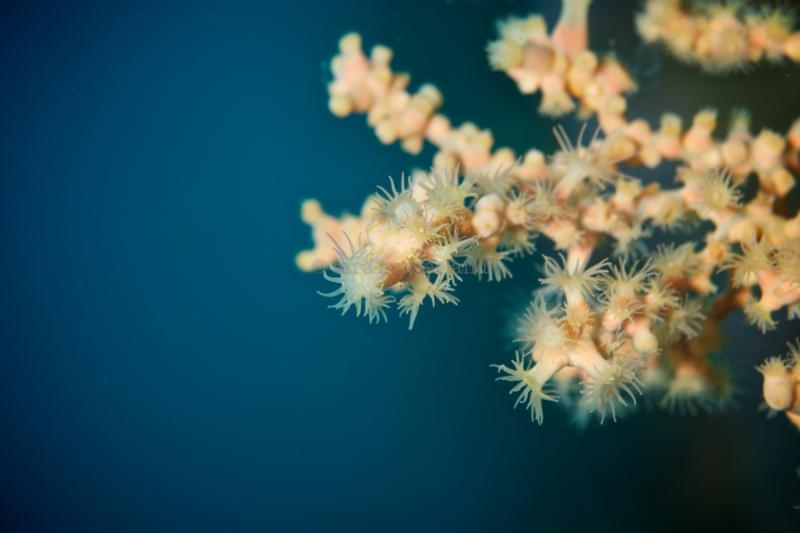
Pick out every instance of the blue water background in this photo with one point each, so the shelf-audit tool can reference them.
(164, 366)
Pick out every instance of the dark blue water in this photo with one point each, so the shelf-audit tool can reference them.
(163, 366)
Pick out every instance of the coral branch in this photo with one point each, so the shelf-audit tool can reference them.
(605, 331)
(720, 36)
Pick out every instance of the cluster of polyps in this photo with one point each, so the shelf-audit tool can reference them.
(615, 329)
(560, 66)
(419, 237)
(565, 71)
(368, 85)
(604, 331)
(720, 36)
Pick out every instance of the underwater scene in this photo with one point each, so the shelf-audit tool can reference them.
(446, 265)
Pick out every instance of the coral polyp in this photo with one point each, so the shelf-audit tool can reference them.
(360, 277)
(610, 387)
(528, 386)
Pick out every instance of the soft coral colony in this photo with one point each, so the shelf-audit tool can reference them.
(599, 333)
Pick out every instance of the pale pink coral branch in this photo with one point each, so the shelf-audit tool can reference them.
(720, 36)
(616, 329)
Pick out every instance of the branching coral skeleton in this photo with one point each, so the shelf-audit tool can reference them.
(611, 329)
